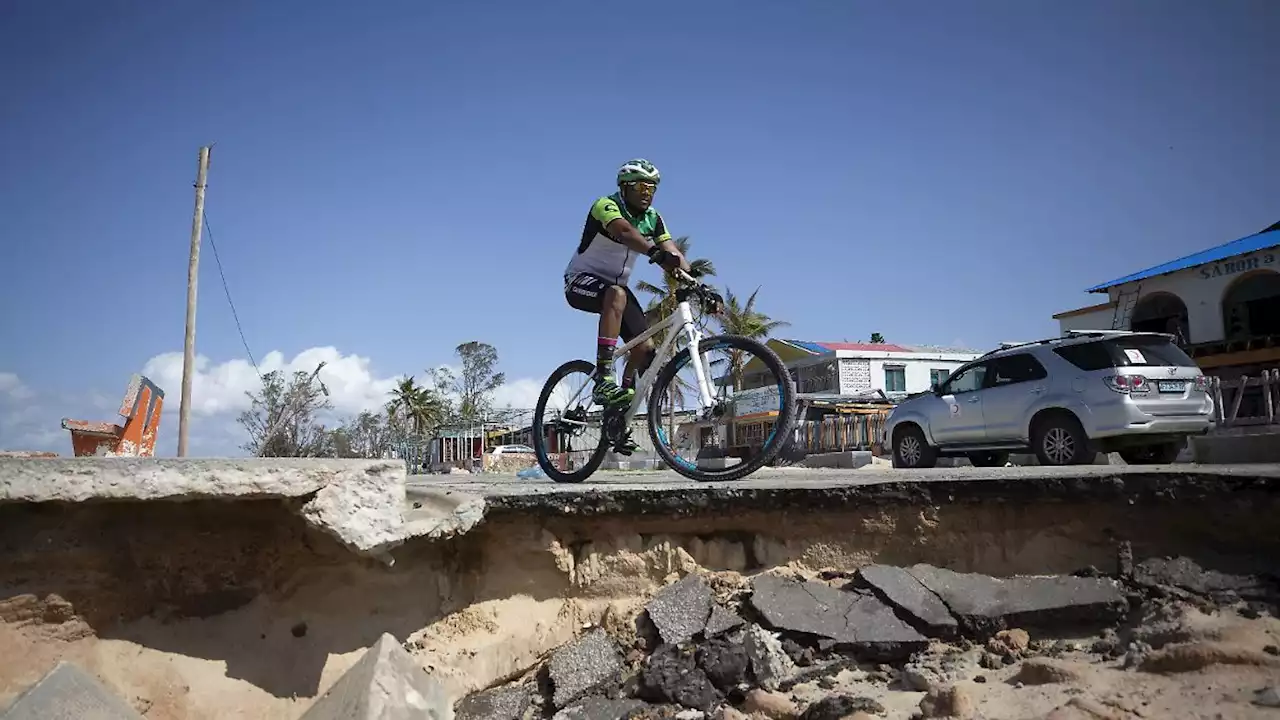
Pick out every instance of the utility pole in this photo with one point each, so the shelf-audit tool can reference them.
(193, 267)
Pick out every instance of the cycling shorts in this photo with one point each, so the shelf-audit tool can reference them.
(585, 292)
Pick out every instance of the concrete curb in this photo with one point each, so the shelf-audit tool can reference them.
(358, 502)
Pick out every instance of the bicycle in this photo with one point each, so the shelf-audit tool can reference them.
(655, 382)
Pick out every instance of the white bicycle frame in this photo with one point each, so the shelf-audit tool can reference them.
(681, 322)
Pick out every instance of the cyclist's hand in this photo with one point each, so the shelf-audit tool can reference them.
(668, 260)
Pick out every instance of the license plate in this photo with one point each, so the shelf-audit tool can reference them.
(1171, 385)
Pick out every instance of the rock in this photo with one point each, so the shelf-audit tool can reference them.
(690, 715)
(1184, 573)
(1013, 642)
(769, 664)
(799, 654)
(583, 665)
(837, 707)
(725, 662)
(503, 703)
(928, 671)
(680, 610)
(68, 693)
(672, 675)
(721, 621)
(949, 702)
(1043, 671)
(385, 683)
(729, 712)
(1197, 656)
(986, 603)
(860, 622)
(1268, 697)
(769, 704)
(599, 708)
(901, 589)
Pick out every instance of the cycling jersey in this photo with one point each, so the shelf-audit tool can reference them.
(599, 254)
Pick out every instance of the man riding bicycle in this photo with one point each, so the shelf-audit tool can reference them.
(620, 228)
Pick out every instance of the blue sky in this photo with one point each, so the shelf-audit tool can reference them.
(392, 179)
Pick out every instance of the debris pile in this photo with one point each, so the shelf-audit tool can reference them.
(884, 641)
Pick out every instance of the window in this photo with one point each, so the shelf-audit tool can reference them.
(895, 378)
(938, 376)
(1018, 368)
(1140, 350)
(967, 380)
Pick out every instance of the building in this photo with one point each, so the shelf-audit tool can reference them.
(854, 369)
(1222, 305)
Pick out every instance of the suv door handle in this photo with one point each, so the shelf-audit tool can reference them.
(1037, 390)
(974, 399)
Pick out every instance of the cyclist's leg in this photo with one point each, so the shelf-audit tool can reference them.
(594, 294)
(634, 323)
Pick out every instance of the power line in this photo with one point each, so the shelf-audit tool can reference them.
(227, 290)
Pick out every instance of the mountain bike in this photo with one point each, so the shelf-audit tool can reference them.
(683, 343)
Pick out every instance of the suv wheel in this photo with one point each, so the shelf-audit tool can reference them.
(1059, 440)
(1159, 454)
(988, 458)
(911, 450)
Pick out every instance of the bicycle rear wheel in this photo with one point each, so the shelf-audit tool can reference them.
(566, 428)
(770, 374)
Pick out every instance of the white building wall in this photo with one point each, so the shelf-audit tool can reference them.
(1094, 320)
(859, 372)
(1201, 289)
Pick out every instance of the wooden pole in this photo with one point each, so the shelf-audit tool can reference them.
(193, 267)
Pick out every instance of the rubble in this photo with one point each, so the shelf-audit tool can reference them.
(385, 683)
(891, 642)
(71, 693)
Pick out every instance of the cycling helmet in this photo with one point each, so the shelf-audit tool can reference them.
(638, 169)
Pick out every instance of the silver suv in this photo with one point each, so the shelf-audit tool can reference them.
(1065, 399)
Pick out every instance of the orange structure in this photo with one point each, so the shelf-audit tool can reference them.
(136, 438)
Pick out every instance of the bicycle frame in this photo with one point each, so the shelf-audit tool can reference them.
(681, 323)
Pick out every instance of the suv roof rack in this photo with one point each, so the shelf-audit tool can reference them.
(1112, 333)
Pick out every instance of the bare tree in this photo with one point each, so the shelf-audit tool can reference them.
(283, 419)
(367, 435)
(472, 388)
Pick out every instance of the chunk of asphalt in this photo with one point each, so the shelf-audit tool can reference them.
(725, 662)
(901, 589)
(1186, 574)
(721, 621)
(386, 684)
(985, 603)
(582, 666)
(672, 675)
(858, 622)
(600, 708)
(680, 610)
(68, 693)
(502, 703)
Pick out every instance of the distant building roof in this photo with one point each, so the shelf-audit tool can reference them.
(822, 348)
(1267, 238)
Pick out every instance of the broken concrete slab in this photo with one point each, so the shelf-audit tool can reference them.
(770, 664)
(385, 684)
(503, 703)
(902, 590)
(680, 610)
(582, 666)
(68, 693)
(358, 502)
(721, 621)
(861, 622)
(984, 604)
(1186, 574)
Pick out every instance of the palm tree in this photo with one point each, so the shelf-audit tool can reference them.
(661, 304)
(420, 407)
(743, 319)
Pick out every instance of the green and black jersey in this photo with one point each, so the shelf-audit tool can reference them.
(599, 254)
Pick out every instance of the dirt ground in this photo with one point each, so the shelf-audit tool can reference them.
(206, 610)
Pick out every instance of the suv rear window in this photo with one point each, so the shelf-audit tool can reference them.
(1136, 351)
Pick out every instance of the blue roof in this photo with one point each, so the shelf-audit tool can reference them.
(812, 347)
(1266, 238)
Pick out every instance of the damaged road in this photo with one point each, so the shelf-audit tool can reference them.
(885, 641)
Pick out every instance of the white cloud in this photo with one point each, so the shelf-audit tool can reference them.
(221, 389)
(12, 387)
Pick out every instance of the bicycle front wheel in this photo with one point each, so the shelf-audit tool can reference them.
(754, 403)
(566, 432)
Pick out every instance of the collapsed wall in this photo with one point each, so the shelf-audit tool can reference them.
(234, 604)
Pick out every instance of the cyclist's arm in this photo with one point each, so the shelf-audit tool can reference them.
(606, 211)
(665, 242)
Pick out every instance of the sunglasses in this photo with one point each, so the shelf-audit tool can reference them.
(644, 187)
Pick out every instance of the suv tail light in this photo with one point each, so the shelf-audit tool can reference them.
(1128, 383)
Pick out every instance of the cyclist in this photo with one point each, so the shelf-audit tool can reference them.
(620, 228)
